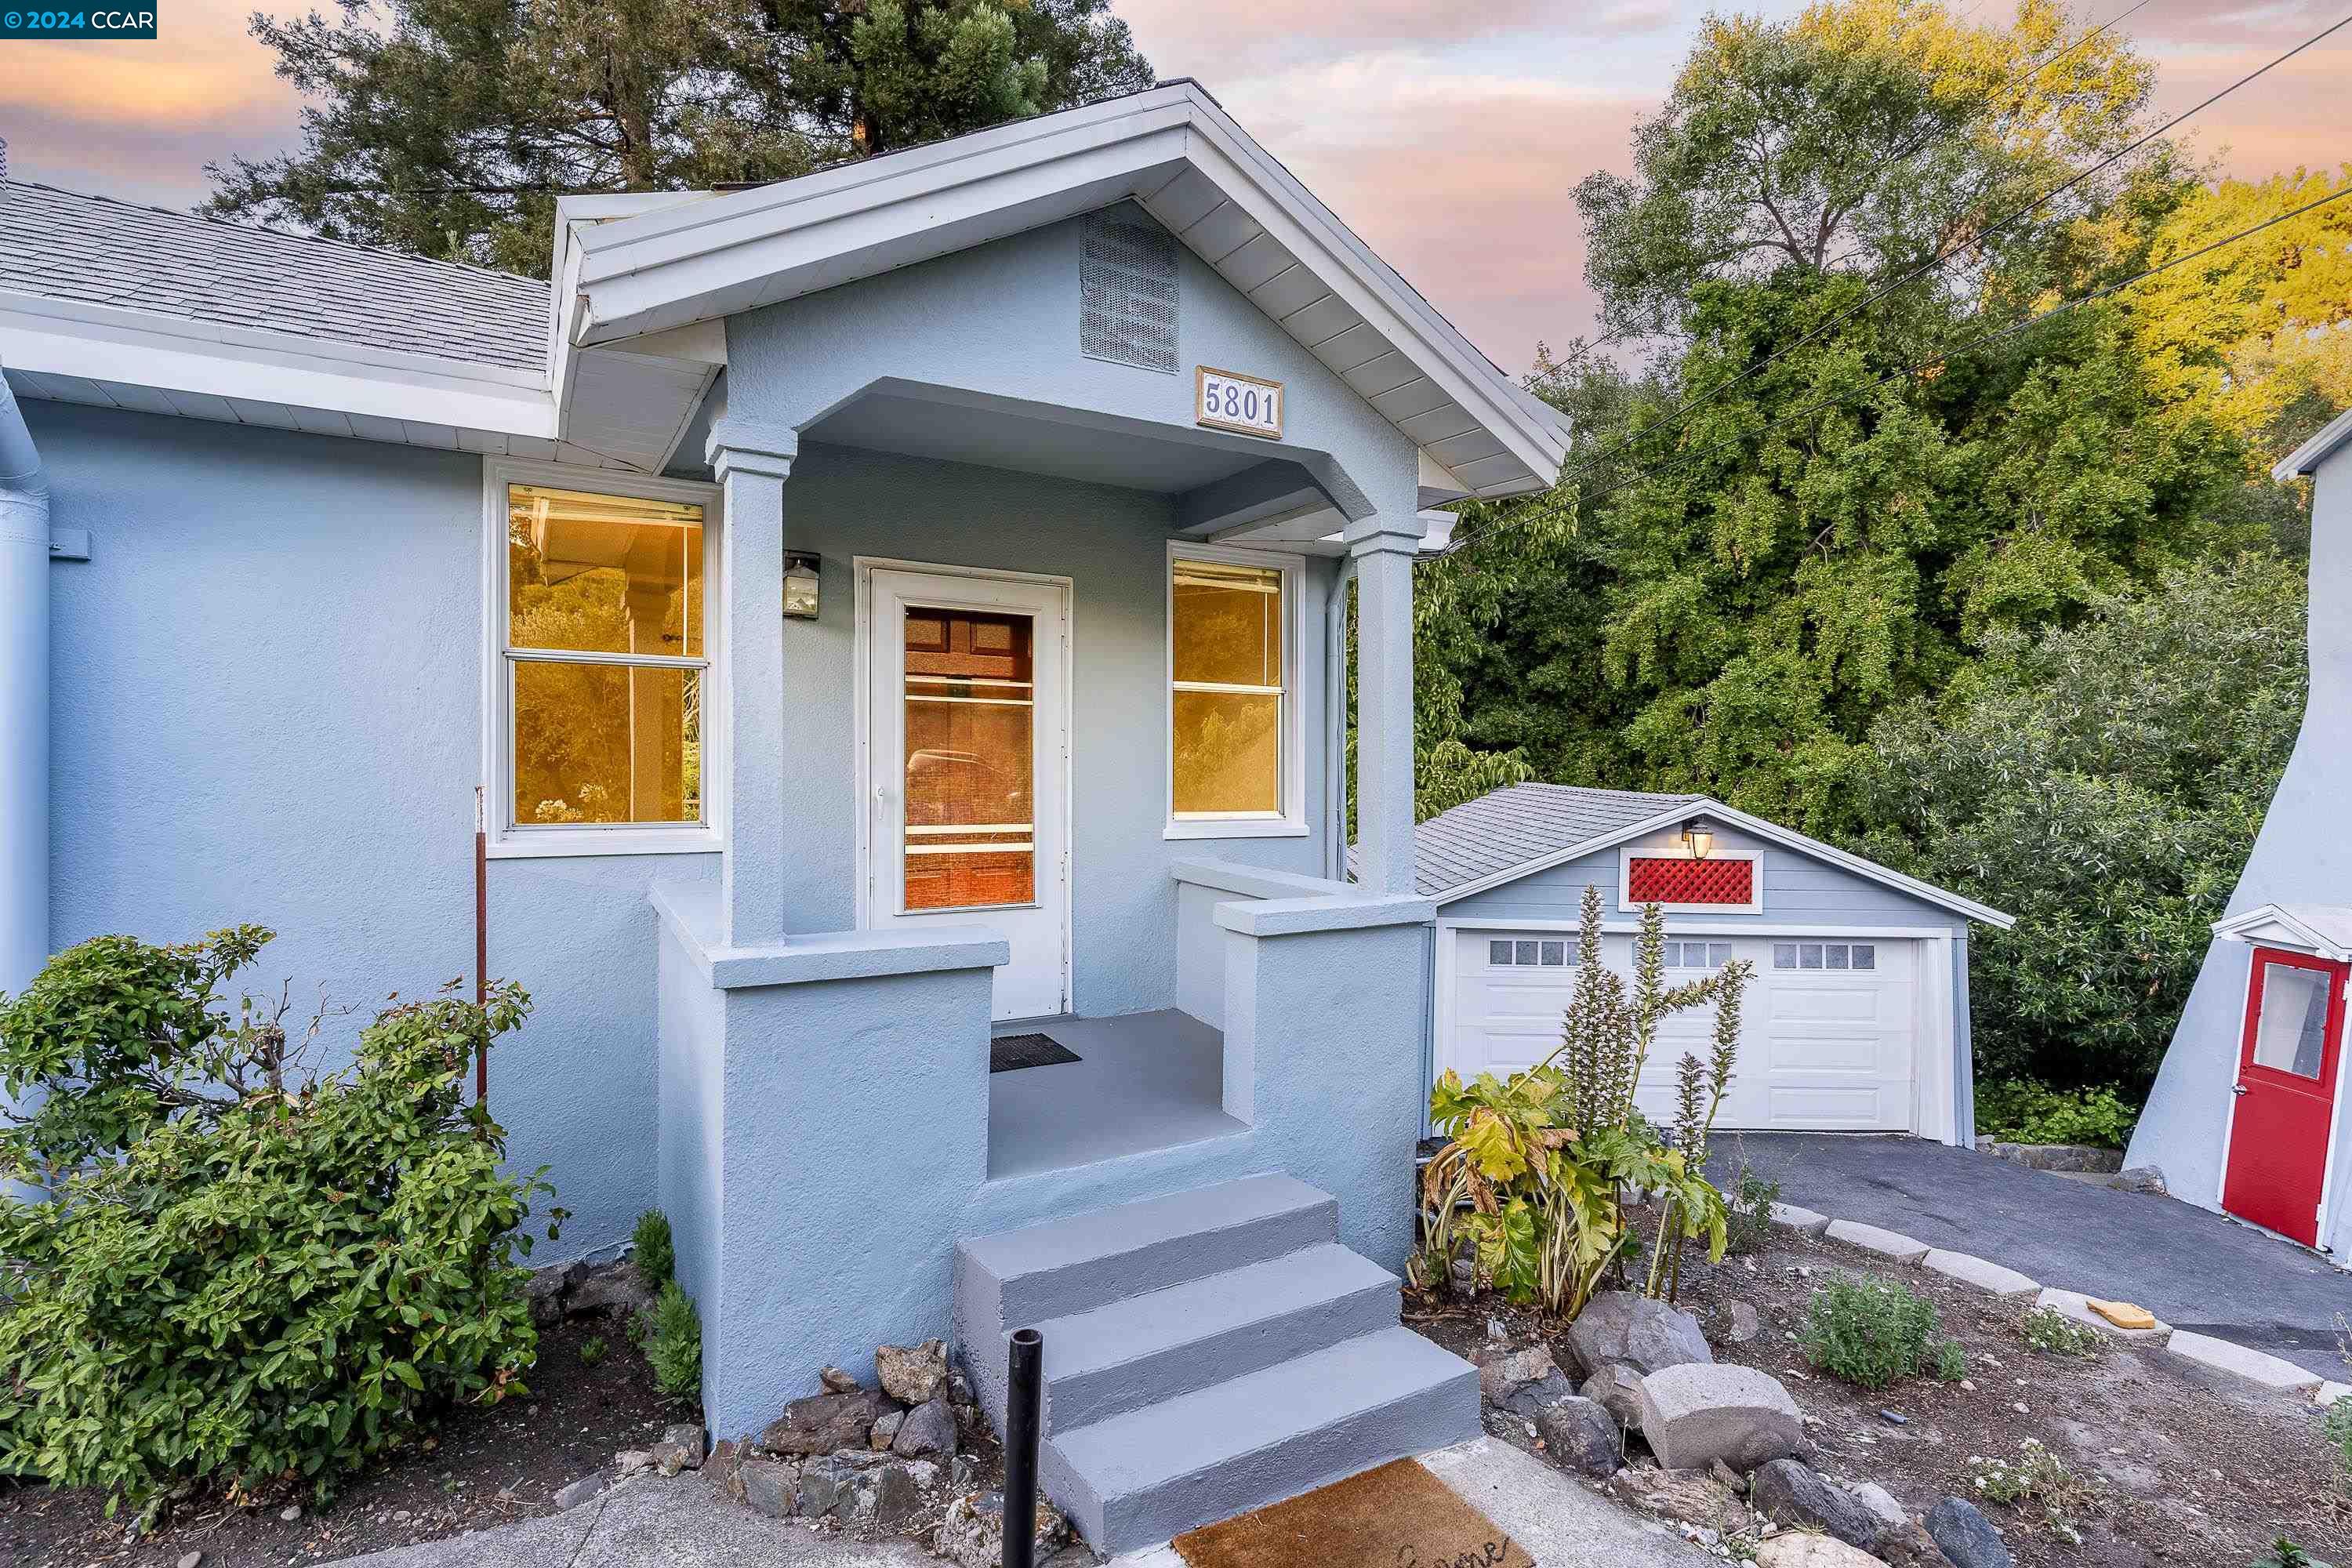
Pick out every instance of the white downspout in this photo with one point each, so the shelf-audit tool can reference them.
(24, 702)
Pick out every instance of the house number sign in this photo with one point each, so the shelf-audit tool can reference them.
(1224, 400)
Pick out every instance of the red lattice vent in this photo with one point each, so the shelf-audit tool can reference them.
(1654, 879)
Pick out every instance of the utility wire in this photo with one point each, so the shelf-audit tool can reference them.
(1675, 416)
(1980, 340)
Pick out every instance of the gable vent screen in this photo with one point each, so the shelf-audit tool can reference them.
(1127, 294)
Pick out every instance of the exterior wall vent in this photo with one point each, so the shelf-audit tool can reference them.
(1126, 291)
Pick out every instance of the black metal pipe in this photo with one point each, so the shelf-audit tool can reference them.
(1025, 1390)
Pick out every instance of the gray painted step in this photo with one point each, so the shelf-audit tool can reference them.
(1167, 1342)
(1150, 1474)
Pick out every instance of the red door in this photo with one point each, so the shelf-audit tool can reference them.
(2285, 1093)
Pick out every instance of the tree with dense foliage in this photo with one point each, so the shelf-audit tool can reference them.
(449, 127)
(245, 1275)
(2103, 782)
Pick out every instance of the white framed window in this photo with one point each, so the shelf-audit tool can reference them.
(1522, 953)
(1825, 955)
(1237, 748)
(601, 660)
(1692, 953)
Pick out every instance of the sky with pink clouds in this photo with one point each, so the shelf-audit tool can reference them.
(1451, 133)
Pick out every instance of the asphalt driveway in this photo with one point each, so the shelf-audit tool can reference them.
(2191, 1268)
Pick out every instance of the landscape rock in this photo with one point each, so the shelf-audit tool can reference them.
(1799, 1550)
(825, 1422)
(837, 1487)
(770, 1486)
(1530, 1400)
(1740, 1323)
(1695, 1414)
(1500, 1376)
(1964, 1534)
(1788, 1492)
(912, 1374)
(724, 1468)
(1891, 1514)
(1689, 1497)
(971, 1534)
(1582, 1436)
(190, 1559)
(680, 1449)
(587, 1486)
(631, 1462)
(545, 1289)
(609, 1287)
(2140, 1179)
(1645, 1334)
(886, 1429)
(1909, 1545)
(1617, 1388)
(928, 1428)
(837, 1381)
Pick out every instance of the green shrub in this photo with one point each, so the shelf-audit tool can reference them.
(2035, 1477)
(1952, 1361)
(1747, 1212)
(1873, 1333)
(2018, 1111)
(652, 1250)
(2048, 1330)
(248, 1275)
(2336, 1426)
(2283, 1553)
(592, 1350)
(674, 1344)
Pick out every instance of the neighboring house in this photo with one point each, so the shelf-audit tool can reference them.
(881, 611)
(1857, 1020)
(2247, 1114)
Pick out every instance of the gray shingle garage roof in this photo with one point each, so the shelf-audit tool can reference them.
(65, 245)
(1526, 822)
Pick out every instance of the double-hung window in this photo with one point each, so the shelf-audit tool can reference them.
(1234, 732)
(602, 667)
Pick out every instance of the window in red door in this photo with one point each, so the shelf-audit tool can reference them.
(2285, 1093)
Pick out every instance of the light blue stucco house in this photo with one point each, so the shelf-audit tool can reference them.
(879, 611)
(2247, 1113)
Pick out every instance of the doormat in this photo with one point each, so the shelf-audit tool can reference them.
(1011, 1053)
(1398, 1516)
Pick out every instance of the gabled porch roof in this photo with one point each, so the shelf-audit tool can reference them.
(632, 268)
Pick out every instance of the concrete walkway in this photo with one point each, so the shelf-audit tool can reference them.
(649, 1523)
(2192, 1267)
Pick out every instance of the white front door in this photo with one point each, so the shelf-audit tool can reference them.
(966, 767)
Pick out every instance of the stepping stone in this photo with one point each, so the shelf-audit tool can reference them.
(1869, 1237)
(2077, 1306)
(2122, 1314)
(1977, 1271)
(2264, 1370)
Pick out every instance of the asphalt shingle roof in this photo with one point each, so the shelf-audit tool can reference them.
(65, 245)
(1522, 824)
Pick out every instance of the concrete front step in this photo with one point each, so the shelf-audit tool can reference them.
(1167, 1342)
(1018, 1279)
(1152, 1473)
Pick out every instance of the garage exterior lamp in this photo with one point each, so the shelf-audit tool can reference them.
(1698, 839)
(799, 586)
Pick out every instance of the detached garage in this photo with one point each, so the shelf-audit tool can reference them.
(1858, 1020)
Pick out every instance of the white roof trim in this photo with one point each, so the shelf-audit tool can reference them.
(1771, 832)
(743, 250)
(2307, 458)
(2325, 929)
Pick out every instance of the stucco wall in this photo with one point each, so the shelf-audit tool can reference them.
(266, 707)
(2302, 856)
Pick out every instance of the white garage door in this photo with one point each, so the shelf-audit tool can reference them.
(1830, 1040)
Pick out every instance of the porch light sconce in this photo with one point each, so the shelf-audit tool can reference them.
(1698, 839)
(799, 586)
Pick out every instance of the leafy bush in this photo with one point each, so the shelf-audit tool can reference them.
(1748, 1213)
(1531, 1181)
(2283, 1553)
(652, 1250)
(2019, 1110)
(1952, 1361)
(1872, 1332)
(674, 1344)
(2336, 1426)
(247, 1276)
(592, 1350)
(2048, 1330)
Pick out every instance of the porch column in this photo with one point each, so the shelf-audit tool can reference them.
(1384, 552)
(751, 460)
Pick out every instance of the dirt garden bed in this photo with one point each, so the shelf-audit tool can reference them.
(482, 1469)
(2177, 1470)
